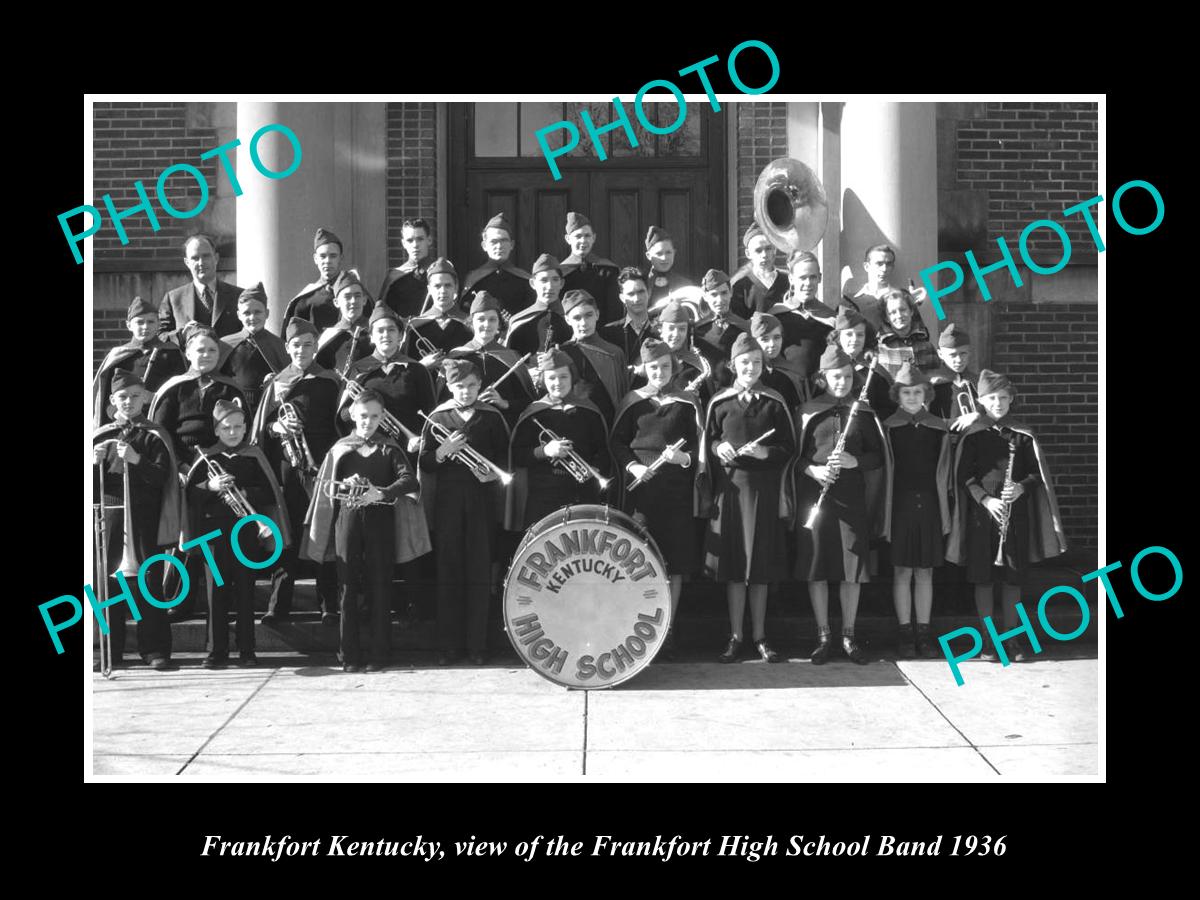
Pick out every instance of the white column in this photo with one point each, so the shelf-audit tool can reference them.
(889, 189)
(341, 184)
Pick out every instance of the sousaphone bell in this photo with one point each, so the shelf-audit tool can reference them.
(790, 205)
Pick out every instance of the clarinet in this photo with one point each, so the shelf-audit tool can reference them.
(1007, 514)
(841, 441)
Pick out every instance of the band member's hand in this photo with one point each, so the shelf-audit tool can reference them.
(822, 474)
(637, 470)
(127, 453)
(847, 460)
(414, 444)
(995, 507)
(677, 457)
(1011, 492)
(962, 423)
(432, 359)
(220, 484)
(919, 295)
(453, 444)
(489, 477)
(726, 452)
(373, 495)
(99, 454)
(758, 451)
(555, 449)
(491, 396)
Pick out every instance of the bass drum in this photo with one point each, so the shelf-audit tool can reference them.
(587, 599)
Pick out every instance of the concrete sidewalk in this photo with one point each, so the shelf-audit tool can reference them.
(903, 720)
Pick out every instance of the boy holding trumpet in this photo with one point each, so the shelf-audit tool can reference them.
(462, 443)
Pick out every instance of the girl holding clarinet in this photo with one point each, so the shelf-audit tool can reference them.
(750, 434)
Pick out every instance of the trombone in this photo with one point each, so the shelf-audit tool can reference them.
(234, 496)
(392, 427)
(479, 464)
(128, 565)
(576, 466)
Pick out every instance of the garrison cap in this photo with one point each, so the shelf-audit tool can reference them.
(500, 220)
(762, 324)
(385, 312)
(847, 317)
(442, 266)
(676, 313)
(834, 357)
(743, 344)
(255, 292)
(348, 278)
(656, 234)
(653, 349)
(297, 326)
(577, 298)
(910, 375)
(325, 236)
(123, 379)
(953, 337)
(483, 302)
(139, 307)
(545, 263)
(555, 359)
(990, 382)
(712, 279)
(575, 221)
(224, 408)
(751, 233)
(456, 370)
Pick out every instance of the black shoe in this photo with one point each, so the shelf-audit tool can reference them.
(374, 667)
(175, 614)
(247, 659)
(448, 657)
(477, 658)
(822, 651)
(1022, 652)
(732, 651)
(906, 644)
(350, 667)
(768, 655)
(330, 620)
(988, 653)
(162, 664)
(853, 651)
(212, 661)
(927, 647)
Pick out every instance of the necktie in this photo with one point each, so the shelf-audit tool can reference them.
(205, 304)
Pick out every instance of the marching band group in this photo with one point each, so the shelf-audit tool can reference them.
(759, 435)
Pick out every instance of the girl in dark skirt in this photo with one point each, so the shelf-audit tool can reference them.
(1034, 531)
(835, 548)
(919, 443)
(747, 538)
(648, 420)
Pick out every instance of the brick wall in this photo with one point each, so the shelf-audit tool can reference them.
(761, 137)
(133, 141)
(1049, 352)
(109, 331)
(1032, 160)
(412, 171)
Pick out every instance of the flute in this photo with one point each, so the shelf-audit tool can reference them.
(520, 362)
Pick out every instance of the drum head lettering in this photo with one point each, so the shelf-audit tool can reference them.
(587, 599)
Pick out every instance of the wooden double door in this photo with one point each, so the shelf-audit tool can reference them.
(683, 192)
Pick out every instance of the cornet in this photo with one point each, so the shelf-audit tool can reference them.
(425, 347)
(966, 403)
(234, 496)
(351, 492)
(392, 427)
(479, 464)
(295, 444)
(578, 467)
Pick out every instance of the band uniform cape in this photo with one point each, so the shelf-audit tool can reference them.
(415, 295)
(701, 500)
(607, 359)
(924, 418)
(712, 486)
(117, 355)
(506, 282)
(454, 314)
(326, 303)
(748, 293)
(274, 351)
(367, 365)
(277, 513)
(877, 482)
(173, 509)
(518, 493)
(1046, 538)
(597, 276)
(504, 356)
(557, 327)
(428, 480)
(190, 375)
(412, 532)
(276, 390)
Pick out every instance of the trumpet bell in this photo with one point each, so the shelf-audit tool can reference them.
(790, 205)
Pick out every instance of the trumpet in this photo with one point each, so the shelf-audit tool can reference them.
(351, 492)
(392, 427)
(705, 370)
(1007, 514)
(575, 465)
(234, 496)
(966, 402)
(425, 347)
(659, 463)
(295, 444)
(868, 358)
(479, 464)
(350, 353)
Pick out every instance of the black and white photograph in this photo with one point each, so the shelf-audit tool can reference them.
(754, 437)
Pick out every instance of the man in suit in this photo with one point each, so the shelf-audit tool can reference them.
(205, 300)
